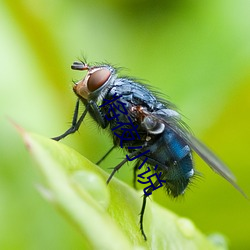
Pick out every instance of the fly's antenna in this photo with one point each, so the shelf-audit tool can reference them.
(80, 66)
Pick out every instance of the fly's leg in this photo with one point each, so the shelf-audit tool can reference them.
(96, 112)
(134, 173)
(144, 201)
(91, 108)
(144, 196)
(128, 158)
(75, 124)
(105, 155)
(116, 168)
(142, 214)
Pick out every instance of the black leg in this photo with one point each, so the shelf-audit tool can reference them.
(75, 124)
(99, 117)
(120, 165)
(144, 196)
(75, 116)
(105, 155)
(134, 173)
(141, 216)
(116, 169)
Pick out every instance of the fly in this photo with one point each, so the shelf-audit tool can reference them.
(146, 126)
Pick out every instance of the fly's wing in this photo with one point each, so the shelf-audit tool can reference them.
(212, 160)
(175, 124)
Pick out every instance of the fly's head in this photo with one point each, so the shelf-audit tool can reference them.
(95, 81)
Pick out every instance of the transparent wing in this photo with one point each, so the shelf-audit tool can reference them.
(175, 124)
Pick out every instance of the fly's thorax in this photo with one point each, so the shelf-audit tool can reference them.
(96, 81)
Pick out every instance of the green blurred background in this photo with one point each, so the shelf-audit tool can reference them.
(195, 52)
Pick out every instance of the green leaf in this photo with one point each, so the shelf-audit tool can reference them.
(106, 216)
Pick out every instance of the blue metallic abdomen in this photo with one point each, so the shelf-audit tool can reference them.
(174, 160)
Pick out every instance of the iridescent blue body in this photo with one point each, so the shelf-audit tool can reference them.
(162, 136)
(167, 149)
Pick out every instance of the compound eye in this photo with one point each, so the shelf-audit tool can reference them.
(97, 79)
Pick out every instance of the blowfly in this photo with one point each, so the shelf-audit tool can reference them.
(147, 127)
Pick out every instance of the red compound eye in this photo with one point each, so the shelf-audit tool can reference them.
(97, 79)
